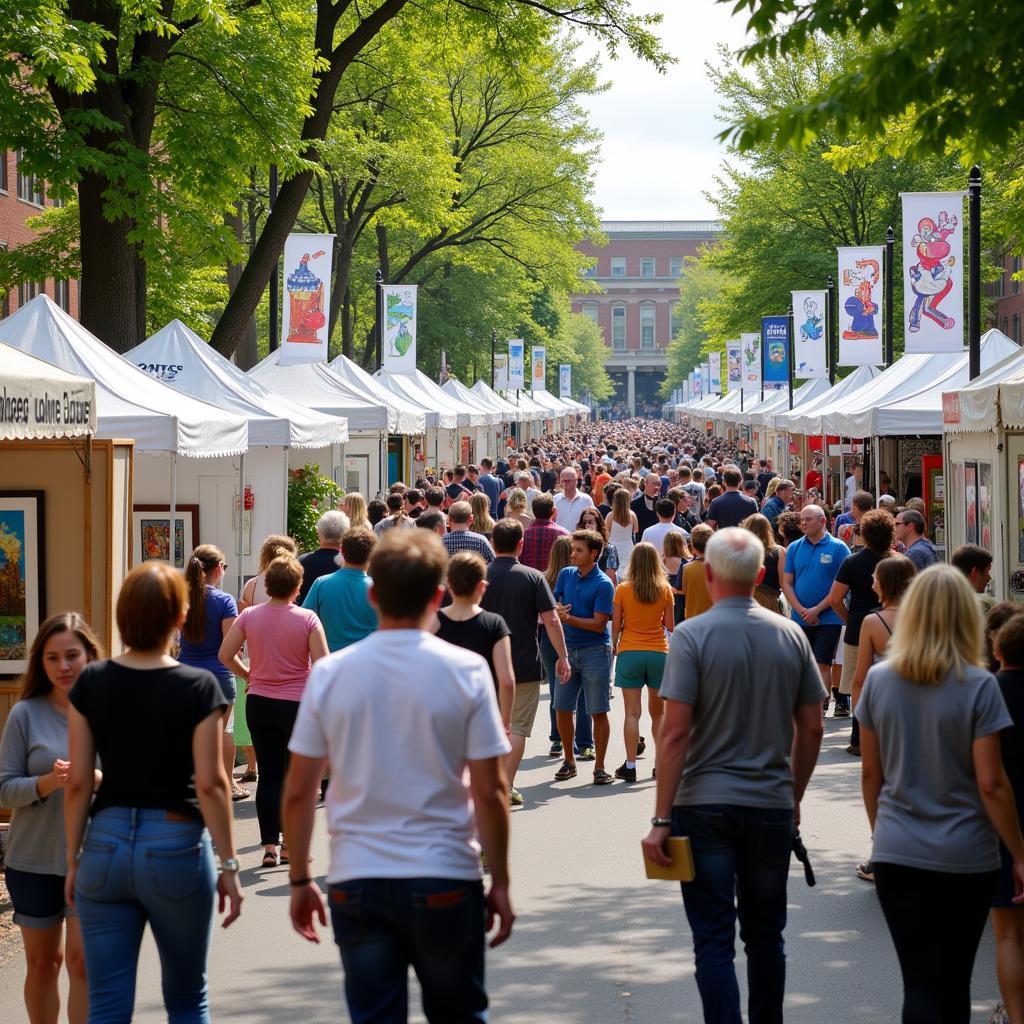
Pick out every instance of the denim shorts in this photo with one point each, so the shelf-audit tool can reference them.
(591, 669)
(824, 639)
(637, 669)
(38, 899)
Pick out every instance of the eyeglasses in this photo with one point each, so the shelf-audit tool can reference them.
(224, 565)
(899, 522)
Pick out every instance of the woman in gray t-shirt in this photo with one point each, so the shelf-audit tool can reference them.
(34, 770)
(936, 793)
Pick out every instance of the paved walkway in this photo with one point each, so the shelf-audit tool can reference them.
(595, 942)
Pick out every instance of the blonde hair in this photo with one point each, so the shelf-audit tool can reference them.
(646, 574)
(558, 558)
(771, 488)
(481, 506)
(355, 506)
(276, 545)
(516, 501)
(939, 629)
(620, 507)
(674, 545)
(760, 526)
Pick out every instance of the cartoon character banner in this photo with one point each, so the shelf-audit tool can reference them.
(538, 367)
(775, 346)
(933, 279)
(565, 380)
(715, 362)
(693, 386)
(500, 382)
(516, 364)
(734, 363)
(751, 363)
(809, 345)
(860, 305)
(705, 379)
(398, 346)
(307, 298)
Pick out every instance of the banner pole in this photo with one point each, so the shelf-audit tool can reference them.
(790, 356)
(890, 253)
(830, 327)
(378, 326)
(974, 281)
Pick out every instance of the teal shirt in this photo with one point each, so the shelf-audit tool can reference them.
(342, 603)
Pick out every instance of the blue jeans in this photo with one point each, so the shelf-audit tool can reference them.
(584, 726)
(382, 925)
(591, 673)
(138, 867)
(741, 856)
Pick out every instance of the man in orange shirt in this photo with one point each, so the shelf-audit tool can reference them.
(694, 584)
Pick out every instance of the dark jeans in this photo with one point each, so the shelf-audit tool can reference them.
(382, 925)
(741, 856)
(584, 726)
(935, 919)
(270, 726)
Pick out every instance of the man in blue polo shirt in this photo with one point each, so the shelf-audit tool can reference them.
(812, 563)
(584, 597)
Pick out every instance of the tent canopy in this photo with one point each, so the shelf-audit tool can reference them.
(470, 398)
(994, 398)
(43, 401)
(548, 401)
(404, 416)
(776, 401)
(807, 420)
(529, 409)
(129, 403)
(441, 412)
(179, 357)
(510, 413)
(861, 414)
(314, 386)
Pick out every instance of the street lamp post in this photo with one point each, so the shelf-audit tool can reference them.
(378, 327)
(275, 335)
(890, 252)
(974, 281)
(494, 342)
(830, 327)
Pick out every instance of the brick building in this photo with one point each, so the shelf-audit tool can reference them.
(1009, 299)
(21, 197)
(638, 272)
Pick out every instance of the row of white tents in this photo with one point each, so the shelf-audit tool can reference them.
(204, 430)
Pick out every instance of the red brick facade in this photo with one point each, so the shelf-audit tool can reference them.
(15, 210)
(1009, 296)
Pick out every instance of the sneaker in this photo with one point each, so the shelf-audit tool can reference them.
(238, 793)
(586, 754)
(515, 798)
(556, 749)
(641, 747)
(567, 771)
(624, 773)
(999, 1015)
(866, 871)
(841, 711)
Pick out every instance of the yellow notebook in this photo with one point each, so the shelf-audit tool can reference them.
(681, 869)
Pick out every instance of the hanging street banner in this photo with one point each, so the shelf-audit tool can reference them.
(500, 382)
(307, 298)
(933, 271)
(715, 362)
(860, 305)
(775, 348)
(809, 345)
(565, 381)
(734, 363)
(705, 379)
(398, 346)
(516, 364)
(538, 368)
(694, 386)
(751, 363)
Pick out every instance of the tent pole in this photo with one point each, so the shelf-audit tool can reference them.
(241, 523)
(172, 507)
(876, 443)
(380, 463)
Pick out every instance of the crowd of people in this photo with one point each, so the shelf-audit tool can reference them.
(395, 674)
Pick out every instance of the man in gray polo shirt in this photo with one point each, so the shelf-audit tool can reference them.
(738, 743)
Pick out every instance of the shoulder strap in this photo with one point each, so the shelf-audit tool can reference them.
(884, 623)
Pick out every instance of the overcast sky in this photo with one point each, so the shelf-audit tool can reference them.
(659, 151)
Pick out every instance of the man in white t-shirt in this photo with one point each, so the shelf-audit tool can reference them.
(404, 877)
(569, 505)
(666, 509)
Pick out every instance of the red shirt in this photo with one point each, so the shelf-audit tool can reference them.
(537, 542)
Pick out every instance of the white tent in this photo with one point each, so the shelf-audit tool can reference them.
(808, 420)
(43, 401)
(992, 400)
(510, 413)
(534, 416)
(776, 401)
(487, 440)
(472, 400)
(404, 417)
(559, 406)
(129, 403)
(899, 406)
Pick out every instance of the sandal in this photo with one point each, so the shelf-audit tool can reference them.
(270, 859)
(238, 793)
(567, 771)
(247, 776)
(602, 778)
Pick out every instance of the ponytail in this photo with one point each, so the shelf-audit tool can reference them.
(204, 559)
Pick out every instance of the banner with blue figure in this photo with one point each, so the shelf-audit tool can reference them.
(516, 364)
(734, 363)
(775, 349)
(809, 344)
(860, 305)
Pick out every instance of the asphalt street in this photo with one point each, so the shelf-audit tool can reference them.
(595, 942)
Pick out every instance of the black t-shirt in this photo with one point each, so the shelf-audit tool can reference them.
(645, 514)
(1011, 682)
(763, 480)
(730, 509)
(478, 634)
(314, 565)
(856, 572)
(548, 479)
(142, 722)
(519, 594)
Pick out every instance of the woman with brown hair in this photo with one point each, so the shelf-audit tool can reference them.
(210, 614)
(675, 553)
(283, 641)
(481, 522)
(621, 527)
(33, 775)
(147, 856)
(768, 592)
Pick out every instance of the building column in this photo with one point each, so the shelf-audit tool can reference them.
(631, 389)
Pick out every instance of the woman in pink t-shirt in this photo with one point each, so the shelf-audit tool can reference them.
(283, 642)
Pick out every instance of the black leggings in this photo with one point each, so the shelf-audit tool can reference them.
(270, 724)
(935, 919)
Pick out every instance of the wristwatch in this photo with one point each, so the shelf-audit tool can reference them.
(230, 864)
(661, 822)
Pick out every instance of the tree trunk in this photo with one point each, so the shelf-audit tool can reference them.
(112, 294)
(246, 355)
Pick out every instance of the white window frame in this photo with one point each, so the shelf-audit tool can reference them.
(590, 311)
(675, 265)
(28, 187)
(648, 263)
(618, 266)
(62, 293)
(619, 314)
(648, 310)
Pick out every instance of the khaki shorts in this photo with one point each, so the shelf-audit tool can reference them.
(849, 669)
(524, 708)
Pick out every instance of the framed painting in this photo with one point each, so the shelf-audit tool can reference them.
(971, 502)
(22, 576)
(151, 529)
(985, 505)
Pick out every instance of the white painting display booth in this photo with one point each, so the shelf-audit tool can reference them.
(487, 439)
